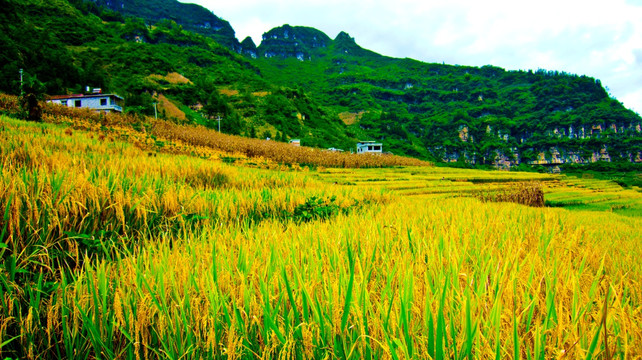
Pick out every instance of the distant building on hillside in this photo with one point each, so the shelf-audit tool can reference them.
(97, 101)
(295, 142)
(371, 147)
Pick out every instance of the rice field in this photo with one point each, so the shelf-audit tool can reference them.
(597, 195)
(110, 251)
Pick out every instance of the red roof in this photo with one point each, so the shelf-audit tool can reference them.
(58, 97)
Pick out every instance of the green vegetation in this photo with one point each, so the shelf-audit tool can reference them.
(625, 174)
(190, 17)
(454, 112)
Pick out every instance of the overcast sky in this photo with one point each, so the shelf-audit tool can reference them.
(601, 39)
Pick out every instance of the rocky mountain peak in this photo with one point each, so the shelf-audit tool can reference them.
(293, 41)
(248, 48)
(344, 37)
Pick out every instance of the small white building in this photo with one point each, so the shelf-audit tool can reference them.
(295, 142)
(99, 102)
(371, 147)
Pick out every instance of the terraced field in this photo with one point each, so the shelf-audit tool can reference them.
(571, 193)
(113, 250)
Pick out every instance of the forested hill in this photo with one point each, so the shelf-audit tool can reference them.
(190, 16)
(480, 115)
(300, 83)
(65, 46)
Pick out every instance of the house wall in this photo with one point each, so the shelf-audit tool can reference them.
(369, 148)
(92, 103)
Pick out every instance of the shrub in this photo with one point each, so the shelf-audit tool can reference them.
(316, 208)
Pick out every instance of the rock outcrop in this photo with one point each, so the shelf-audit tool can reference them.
(293, 42)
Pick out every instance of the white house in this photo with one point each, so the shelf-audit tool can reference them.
(295, 142)
(369, 147)
(99, 102)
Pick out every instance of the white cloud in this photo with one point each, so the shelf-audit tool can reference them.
(586, 37)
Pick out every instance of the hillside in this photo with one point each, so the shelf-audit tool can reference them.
(190, 16)
(478, 115)
(300, 83)
(64, 47)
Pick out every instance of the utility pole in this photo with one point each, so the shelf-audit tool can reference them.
(218, 118)
(21, 82)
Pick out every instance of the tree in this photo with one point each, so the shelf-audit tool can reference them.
(30, 99)
(216, 106)
(31, 107)
(135, 27)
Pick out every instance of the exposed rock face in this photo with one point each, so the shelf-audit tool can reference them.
(579, 144)
(463, 133)
(292, 41)
(248, 48)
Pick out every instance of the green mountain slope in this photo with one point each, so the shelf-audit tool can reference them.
(191, 17)
(478, 115)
